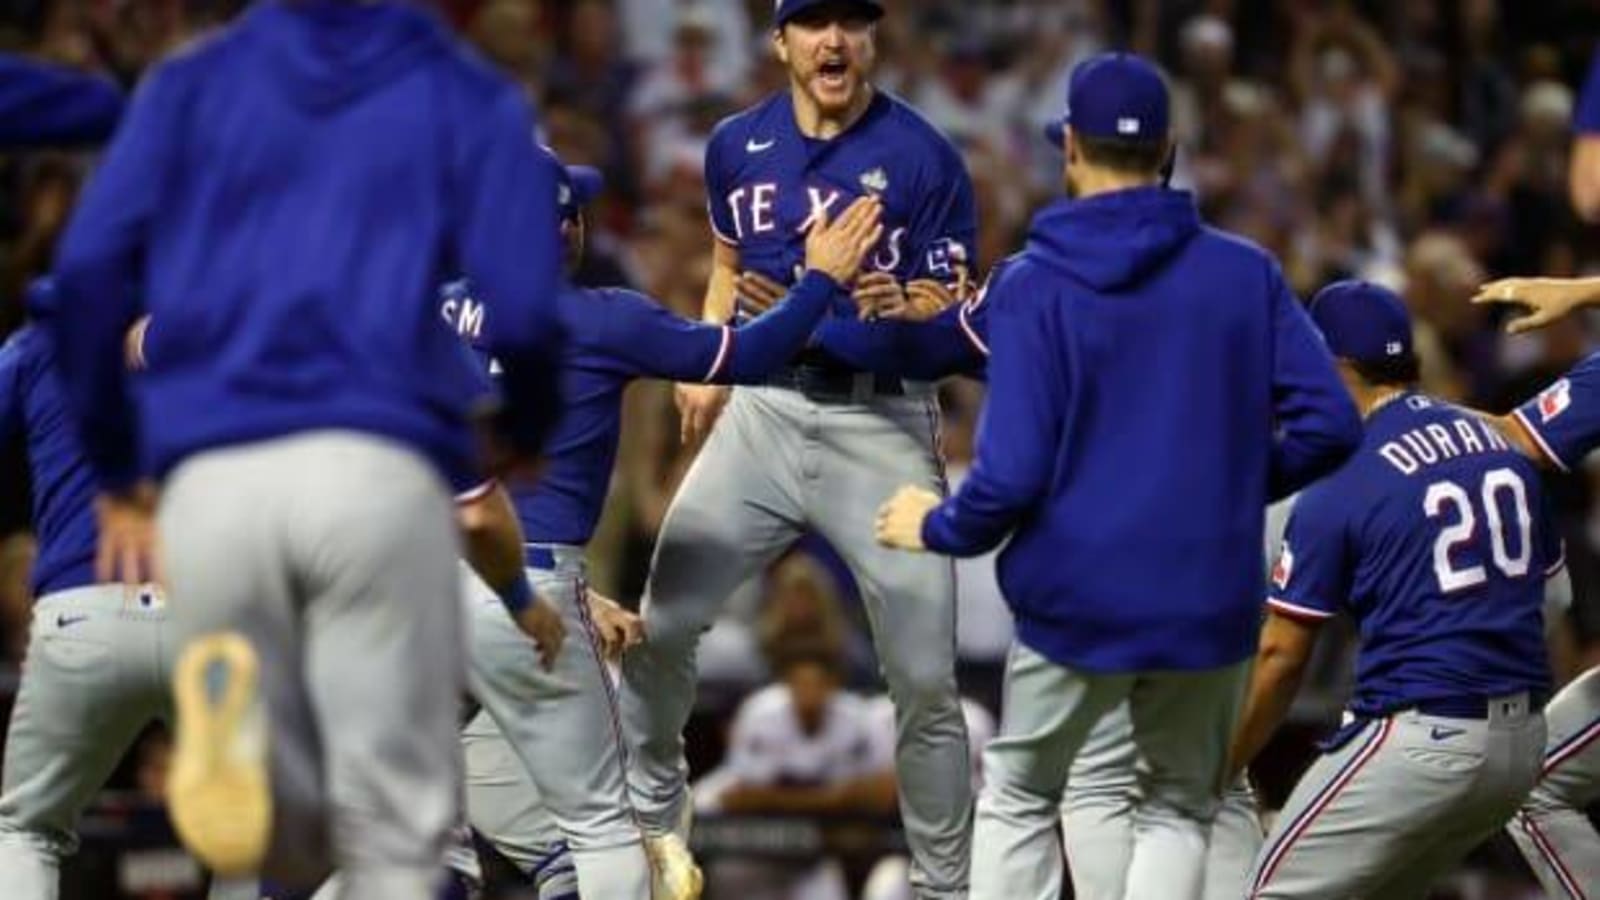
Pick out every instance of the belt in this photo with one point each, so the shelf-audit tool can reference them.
(536, 557)
(1467, 707)
(836, 385)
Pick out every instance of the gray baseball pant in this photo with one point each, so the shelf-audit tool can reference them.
(564, 726)
(1100, 813)
(96, 673)
(779, 463)
(1181, 724)
(1552, 831)
(1385, 814)
(504, 806)
(334, 554)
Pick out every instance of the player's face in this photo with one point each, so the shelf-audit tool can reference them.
(811, 688)
(830, 52)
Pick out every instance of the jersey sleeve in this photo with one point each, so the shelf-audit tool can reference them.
(947, 344)
(1564, 419)
(652, 342)
(1586, 115)
(944, 230)
(718, 185)
(1311, 578)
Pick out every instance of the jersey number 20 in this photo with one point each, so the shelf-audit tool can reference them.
(1452, 502)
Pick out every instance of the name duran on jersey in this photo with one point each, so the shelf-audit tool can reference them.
(1416, 450)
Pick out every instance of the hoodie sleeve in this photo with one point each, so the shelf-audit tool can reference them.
(1019, 434)
(509, 244)
(1316, 422)
(98, 267)
(47, 105)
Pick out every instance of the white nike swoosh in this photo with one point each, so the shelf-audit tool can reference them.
(751, 146)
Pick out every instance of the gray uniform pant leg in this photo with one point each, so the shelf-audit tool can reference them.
(868, 452)
(1181, 724)
(1552, 830)
(563, 724)
(1386, 814)
(1097, 819)
(737, 510)
(95, 675)
(334, 554)
(504, 806)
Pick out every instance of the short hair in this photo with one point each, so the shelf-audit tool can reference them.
(1127, 157)
(1397, 371)
(810, 652)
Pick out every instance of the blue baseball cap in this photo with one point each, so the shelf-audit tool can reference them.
(578, 186)
(1114, 95)
(1362, 321)
(784, 10)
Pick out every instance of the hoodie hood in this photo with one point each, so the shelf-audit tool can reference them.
(1112, 242)
(328, 53)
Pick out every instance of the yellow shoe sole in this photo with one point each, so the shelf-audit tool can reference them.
(218, 791)
(674, 875)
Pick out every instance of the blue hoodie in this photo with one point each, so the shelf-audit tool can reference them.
(47, 105)
(287, 196)
(1141, 368)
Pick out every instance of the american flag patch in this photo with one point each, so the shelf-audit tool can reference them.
(1555, 400)
(1283, 570)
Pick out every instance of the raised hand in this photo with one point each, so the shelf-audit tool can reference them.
(1546, 300)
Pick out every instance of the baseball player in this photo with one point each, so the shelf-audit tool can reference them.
(1434, 539)
(1140, 362)
(283, 197)
(820, 438)
(614, 337)
(49, 105)
(1557, 429)
(1103, 790)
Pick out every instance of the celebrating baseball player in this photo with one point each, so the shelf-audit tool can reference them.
(811, 448)
(284, 213)
(1435, 540)
(1127, 337)
(564, 725)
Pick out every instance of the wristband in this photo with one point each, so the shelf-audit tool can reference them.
(518, 595)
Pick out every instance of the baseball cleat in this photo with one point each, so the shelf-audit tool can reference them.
(673, 873)
(218, 790)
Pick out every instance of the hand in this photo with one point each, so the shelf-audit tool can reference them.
(1547, 300)
(542, 622)
(758, 293)
(837, 249)
(129, 549)
(900, 520)
(699, 405)
(619, 629)
(925, 298)
(878, 295)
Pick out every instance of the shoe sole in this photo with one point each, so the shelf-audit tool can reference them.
(683, 881)
(218, 791)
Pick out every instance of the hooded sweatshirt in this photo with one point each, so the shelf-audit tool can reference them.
(1139, 363)
(286, 198)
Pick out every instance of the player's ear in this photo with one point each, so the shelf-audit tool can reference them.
(780, 46)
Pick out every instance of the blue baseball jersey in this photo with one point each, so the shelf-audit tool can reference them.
(613, 337)
(766, 182)
(32, 403)
(1586, 116)
(1434, 538)
(1564, 420)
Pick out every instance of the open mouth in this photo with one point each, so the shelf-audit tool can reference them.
(834, 73)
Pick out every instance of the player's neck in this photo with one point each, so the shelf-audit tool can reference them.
(816, 124)
(1374, 399)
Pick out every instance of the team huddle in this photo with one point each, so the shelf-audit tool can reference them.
(320, 284)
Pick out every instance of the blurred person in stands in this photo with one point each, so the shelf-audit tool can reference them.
(801, 737)
(662, 108)
(1345, 79)
(1455, 347)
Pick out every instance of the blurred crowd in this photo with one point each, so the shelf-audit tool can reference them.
(1422, 144)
